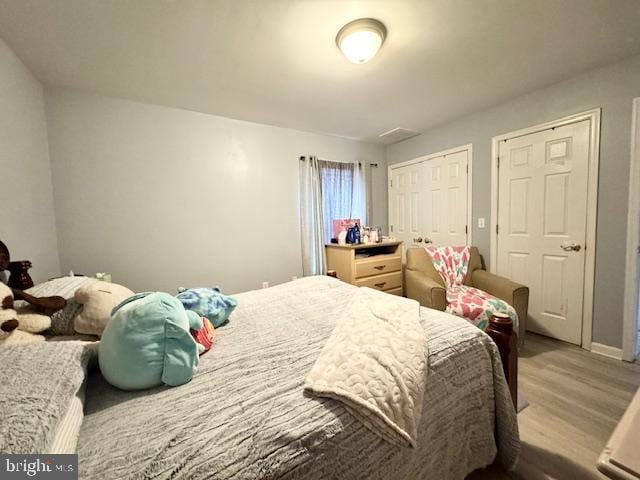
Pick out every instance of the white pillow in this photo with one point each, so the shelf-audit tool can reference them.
(65, 287)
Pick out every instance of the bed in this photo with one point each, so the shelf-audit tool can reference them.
(245, 414)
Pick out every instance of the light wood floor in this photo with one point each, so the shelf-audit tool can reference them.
(576, 398)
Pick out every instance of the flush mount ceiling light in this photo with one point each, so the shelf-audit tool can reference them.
(361, 39)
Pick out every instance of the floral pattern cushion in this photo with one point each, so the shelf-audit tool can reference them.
(476, 306)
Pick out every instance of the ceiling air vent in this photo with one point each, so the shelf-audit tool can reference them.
(397, 135)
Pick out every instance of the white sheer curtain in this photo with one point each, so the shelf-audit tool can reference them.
(328, 190)
(311, 217)
(343, 193)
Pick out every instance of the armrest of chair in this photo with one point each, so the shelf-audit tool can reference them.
(424, 289)
(513, 293)
(496, 285)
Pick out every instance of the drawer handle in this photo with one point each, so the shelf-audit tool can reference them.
(380, 285)
(380, 267)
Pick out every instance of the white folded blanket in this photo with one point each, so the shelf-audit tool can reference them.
(375, 364)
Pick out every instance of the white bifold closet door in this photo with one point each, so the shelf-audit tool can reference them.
(445, 217)
(428, 201)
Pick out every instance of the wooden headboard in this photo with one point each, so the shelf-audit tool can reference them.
(20, 280)
(19, 277)
(4, 257)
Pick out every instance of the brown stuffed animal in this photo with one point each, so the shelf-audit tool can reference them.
(19, 328)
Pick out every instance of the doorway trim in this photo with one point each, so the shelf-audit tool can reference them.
(630, 323)
(592, 205)
(469, 148)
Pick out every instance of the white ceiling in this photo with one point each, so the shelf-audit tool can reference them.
(275, 61)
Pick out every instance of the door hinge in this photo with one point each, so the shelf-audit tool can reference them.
(467, 169)
(466, 229)
(391, 228)
(498, 162)
(497, 229)
(390, 183)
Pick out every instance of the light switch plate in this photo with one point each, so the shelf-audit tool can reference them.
(481, 223)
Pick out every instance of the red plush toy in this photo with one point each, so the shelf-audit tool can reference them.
(204, 336)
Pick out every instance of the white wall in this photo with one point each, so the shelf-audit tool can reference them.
(612, 88)
(27, 220)
(162, 197)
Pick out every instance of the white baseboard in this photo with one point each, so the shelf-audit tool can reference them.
(606, 350)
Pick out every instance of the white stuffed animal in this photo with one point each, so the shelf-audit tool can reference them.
(18, 328)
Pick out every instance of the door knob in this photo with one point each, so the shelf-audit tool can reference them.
(427, 240)
(571, 247)
(417, 240)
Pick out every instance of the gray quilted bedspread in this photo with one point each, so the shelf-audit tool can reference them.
(37, 383)
(245, 416)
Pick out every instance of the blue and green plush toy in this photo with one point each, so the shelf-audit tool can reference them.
(208, 302)
(147, 343)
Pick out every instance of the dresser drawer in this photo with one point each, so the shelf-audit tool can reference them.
(395, 291)
(386, 281)
(377, 265)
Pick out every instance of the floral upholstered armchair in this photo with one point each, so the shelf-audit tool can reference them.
(432, 287)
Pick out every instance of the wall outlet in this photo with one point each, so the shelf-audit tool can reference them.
(265, 284)
(481, 223)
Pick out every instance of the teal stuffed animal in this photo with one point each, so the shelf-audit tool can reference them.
(208, 302)
(147, 343)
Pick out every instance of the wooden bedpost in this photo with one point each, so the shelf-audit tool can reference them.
(500, 329)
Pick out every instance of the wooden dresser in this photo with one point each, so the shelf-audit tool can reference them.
(374, 265)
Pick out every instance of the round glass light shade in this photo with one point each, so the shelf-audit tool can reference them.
(361, 39)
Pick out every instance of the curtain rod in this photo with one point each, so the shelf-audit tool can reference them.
(372, 165)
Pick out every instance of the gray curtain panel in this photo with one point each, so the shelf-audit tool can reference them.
(311, 218)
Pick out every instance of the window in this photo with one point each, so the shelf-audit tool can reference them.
(343, 193)
(328, 191)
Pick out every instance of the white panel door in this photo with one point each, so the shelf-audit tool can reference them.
(428, 201)
(406, 203)
(542, 211)
(445, 212)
